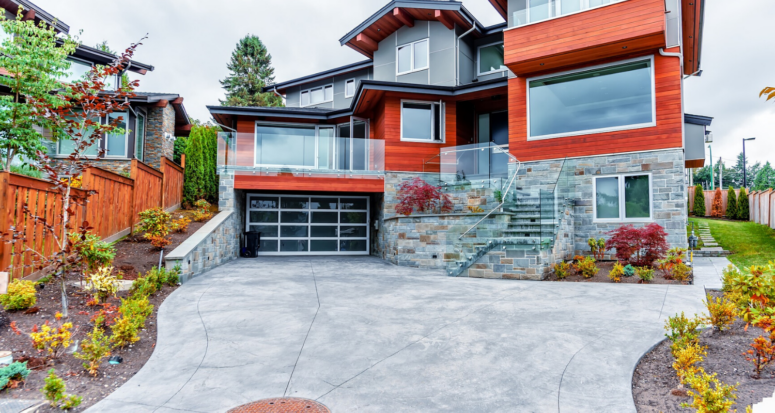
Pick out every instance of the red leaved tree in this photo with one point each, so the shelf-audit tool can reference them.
(639, 246)
(418, 195)
(78, 119)
(716, 209)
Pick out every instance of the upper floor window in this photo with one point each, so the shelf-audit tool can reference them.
(531, 11)
(491, 59)
(317, 95)
(604, 99)
(422, 121)
(349, 88)
(77, 71)
(412, 57)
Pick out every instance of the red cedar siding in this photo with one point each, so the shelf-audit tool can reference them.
(668, 133)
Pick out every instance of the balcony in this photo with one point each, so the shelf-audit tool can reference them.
(551, 34)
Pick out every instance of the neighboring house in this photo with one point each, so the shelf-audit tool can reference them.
(572, 109)
(151, 123)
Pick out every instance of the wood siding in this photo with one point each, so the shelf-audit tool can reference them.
(293, 183)
(609, 31)
(668, 132)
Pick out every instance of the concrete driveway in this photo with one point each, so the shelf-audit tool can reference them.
(357, 334)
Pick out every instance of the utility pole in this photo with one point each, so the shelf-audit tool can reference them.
(720, 173)
(712, 184)
(745, 183)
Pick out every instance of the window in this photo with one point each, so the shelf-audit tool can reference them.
(117, 142)
(317, 95)
(524, 12)
(491, 59)
(412, 57)
(605, 99)
(285, 145)
(421, 121)
(140, 137)
(623, 198)
(349, 88)
(66, 146)
(77, 71)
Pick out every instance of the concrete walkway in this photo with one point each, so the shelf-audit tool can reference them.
(708, 271)
(358, 334)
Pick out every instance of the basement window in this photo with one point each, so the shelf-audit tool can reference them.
(623, 198)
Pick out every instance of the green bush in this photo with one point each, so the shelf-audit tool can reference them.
(21, 295)
(743, 207)
(200, 179)
(27, 170)
(699, 201)
(646, 274)
(54, 391)
(629, 270)
(94, 349)
(134, 311)
(682, 331)
(731, 203)
(14, 371)
(94, 252)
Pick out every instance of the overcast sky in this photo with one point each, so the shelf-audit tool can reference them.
(190, 42)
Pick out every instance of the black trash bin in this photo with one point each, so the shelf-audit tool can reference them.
(252, 243)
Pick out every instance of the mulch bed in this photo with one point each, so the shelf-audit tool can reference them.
(602, 276)
(131, 252)
(654, 379)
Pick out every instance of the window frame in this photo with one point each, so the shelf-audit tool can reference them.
(145, 133)
(106, 137)
(651, 124)
(345, 88)
(412, 45)
(622, 207)
(479, 60)
(323, 87)
(99, 143)
(557, 11)
(442, 112)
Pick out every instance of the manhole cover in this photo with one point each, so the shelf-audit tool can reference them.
(282, 405)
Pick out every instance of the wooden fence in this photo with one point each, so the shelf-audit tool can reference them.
(709, 200)
(111, 210)
(761, 204)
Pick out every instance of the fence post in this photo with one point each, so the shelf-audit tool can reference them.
(163, 167)
(133, 175)
(183, 160)
(5, 217)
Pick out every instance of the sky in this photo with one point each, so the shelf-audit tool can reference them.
(190, 41)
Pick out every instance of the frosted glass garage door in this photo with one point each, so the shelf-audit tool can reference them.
(298, 225)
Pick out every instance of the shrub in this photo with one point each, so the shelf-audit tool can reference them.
(13, 373)
(709, 395)
(103, 283)
(418, 195)
(20, 296)
(93, 252)
(52, 340)
(106, 316)
(743, 207)
(586, 267)
(124, 332)
(27, 170)
(561, 270)
(94, 349)
(616, 273)
(686, 359)
(699, 201)
(721, 312)
(753, 290)
(475, 209)
(717, 207)
(155, 223)
(202, 212)
(54, 391)
(639, 246)
(180, 225)
(646, 274)
(761, 354)
(682, 331)
(671, 262)
(133, 312)
(153, 281)
(597, 247)
(731, 203)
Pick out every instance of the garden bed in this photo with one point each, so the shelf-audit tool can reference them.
(134, 256)
(602, 276)
(654, 380)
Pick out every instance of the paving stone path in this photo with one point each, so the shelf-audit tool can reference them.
(711, 246)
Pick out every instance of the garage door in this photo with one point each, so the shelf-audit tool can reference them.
(299, 224)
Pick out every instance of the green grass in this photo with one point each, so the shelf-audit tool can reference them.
(26, 170)
(749, 243)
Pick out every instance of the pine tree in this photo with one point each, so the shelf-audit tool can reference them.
(764, 178)
(699, 201)
(194, 177)
(731, 203)
(743, 207)
(716, 208)
(250, 69)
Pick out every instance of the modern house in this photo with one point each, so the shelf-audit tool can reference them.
(151, 123)
(559, 124)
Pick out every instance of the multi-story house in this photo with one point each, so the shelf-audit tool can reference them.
(151, 123)
(560, 124)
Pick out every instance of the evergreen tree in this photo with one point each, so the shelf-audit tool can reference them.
(180, 148)
(699, 201)
(731, 203)
(743, 207)
(194, 181)
(211, 155)
(765, 178)
(250, 69)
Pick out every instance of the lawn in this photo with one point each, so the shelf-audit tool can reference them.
(749, 243)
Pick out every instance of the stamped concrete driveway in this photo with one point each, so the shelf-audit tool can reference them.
(357, 334)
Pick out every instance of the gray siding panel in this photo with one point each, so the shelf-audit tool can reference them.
(292, 97)
(385, 72)
(443, 67)
(440, 37)
(491, 76)
(411, 34)
(420, 77)
(385, 60)
(695, 141)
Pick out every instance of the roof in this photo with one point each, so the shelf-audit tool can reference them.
(38, 13)
(365, 37)
(182, 121)
(697, 119)
(97, 56)
(320, 75)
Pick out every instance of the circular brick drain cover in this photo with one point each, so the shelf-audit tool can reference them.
(282, 405)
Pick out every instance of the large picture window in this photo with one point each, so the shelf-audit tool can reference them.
(412, 57)
(604, 99)
(522, 12)
(623, 198)
(66, 146)
(422, 121)
(491, 59)
(292, 146)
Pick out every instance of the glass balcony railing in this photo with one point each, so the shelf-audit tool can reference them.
(522, 12)
(479, 165)
(308, 152)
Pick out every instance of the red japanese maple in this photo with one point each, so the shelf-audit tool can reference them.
(418, 195)
(639, 246)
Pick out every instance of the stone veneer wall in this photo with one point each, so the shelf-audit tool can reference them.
(160, 121)
(215, 243)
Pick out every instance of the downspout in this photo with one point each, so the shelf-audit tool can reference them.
(457, 54)
(281, 96)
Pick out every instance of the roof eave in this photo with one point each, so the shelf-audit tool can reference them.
(318, 76)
